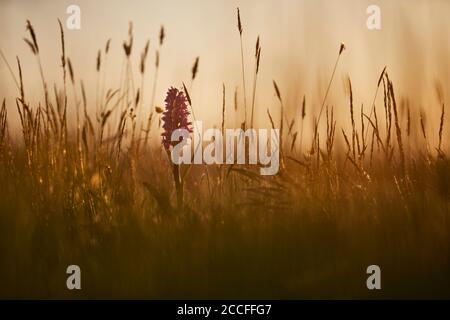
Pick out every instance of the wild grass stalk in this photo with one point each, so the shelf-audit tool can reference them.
(397, 128)
(441, 128)
(9, 69)
(255, 77)
(101, 195)
(63, 66)
(278, 94)
(155, 81)
(35, 50)
(240, 29)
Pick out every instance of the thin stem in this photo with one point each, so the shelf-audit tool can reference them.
(254, 93)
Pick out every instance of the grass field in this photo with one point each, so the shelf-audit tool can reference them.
(96, 189)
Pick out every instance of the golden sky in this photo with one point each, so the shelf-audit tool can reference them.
(299, 38)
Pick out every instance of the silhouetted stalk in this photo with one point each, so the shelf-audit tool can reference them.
(341, 49)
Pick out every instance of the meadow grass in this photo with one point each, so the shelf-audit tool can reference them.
(102, 197)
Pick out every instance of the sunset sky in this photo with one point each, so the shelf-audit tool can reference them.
(300, 40)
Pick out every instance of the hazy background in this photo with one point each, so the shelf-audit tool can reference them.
(300, 40)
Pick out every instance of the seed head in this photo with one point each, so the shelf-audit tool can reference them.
(342, 48)
(175, 116)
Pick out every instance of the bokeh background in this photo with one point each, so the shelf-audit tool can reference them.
(299, 38)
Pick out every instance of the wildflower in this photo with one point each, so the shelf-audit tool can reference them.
(175, 115)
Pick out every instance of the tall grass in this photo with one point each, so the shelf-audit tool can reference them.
(92, 198)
